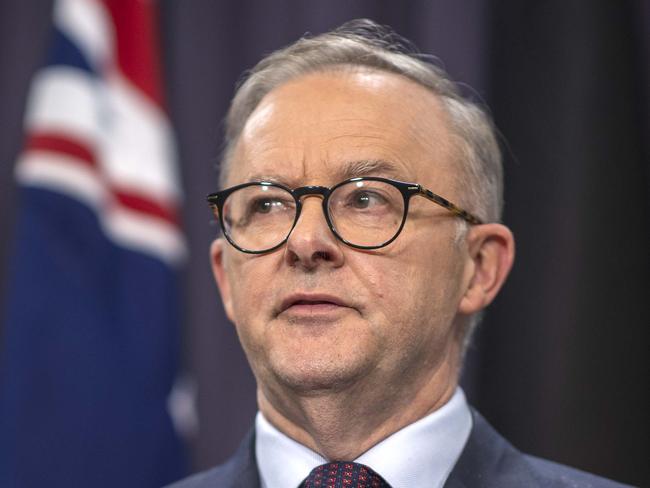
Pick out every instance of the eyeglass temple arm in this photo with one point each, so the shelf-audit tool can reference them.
(463, 214)
(213, 200)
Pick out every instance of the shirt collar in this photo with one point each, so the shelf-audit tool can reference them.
(421, 454)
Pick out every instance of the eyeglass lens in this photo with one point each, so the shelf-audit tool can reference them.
(364, 213)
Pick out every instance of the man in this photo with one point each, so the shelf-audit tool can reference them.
(361, 239)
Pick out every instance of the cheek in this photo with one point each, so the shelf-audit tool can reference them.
(391, 288)
(251, 290)
(411, 285)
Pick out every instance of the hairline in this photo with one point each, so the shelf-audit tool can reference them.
(334, 68)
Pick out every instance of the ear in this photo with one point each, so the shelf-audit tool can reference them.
(491, 252)
(217, 259)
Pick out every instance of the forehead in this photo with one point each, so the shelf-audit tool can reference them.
(323, 127)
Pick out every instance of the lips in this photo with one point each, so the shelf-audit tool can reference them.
(311, 302)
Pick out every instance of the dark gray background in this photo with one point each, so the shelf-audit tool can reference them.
(560, 364)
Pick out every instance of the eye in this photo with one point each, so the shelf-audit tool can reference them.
(264, 205)
(267, 205)
(363, 199)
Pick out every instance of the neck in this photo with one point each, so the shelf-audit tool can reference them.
(342, 425)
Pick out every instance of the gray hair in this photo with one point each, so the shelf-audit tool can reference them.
(364, 44)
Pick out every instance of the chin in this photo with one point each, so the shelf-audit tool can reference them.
(316, 376)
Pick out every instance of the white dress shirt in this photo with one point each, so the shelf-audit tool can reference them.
(421, 454)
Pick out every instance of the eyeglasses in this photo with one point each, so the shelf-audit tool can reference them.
(364, 212)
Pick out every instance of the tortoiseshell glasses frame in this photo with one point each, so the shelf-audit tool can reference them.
(218, 199)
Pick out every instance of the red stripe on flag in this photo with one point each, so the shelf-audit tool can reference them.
(136, 38)
(60, 143)
(83, 156)
(146, 206)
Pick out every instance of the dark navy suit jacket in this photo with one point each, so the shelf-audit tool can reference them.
(488, 460)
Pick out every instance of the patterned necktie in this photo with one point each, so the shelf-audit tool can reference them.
(342, 474)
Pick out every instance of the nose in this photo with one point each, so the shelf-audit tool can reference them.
(311, 242)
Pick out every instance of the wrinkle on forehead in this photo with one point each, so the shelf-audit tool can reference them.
(347, 170)
(310, 126)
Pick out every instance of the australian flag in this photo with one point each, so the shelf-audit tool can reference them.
(90, 330)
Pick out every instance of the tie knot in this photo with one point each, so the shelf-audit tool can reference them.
(343, 474)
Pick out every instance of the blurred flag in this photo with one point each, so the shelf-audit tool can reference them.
(91, 326)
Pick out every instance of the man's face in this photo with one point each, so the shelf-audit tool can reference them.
(317, 315)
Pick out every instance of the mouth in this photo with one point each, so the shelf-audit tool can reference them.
(301, 304)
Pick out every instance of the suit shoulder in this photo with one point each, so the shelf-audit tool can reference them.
(200, 480)
(240, 471)
(552, 475)
(227, 474)
(489, 460)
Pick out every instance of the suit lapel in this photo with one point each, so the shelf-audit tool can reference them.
(489, 460)
(241, 469)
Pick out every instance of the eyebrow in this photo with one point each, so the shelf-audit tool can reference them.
(370, 167)
(258, 178)
(352, 169)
